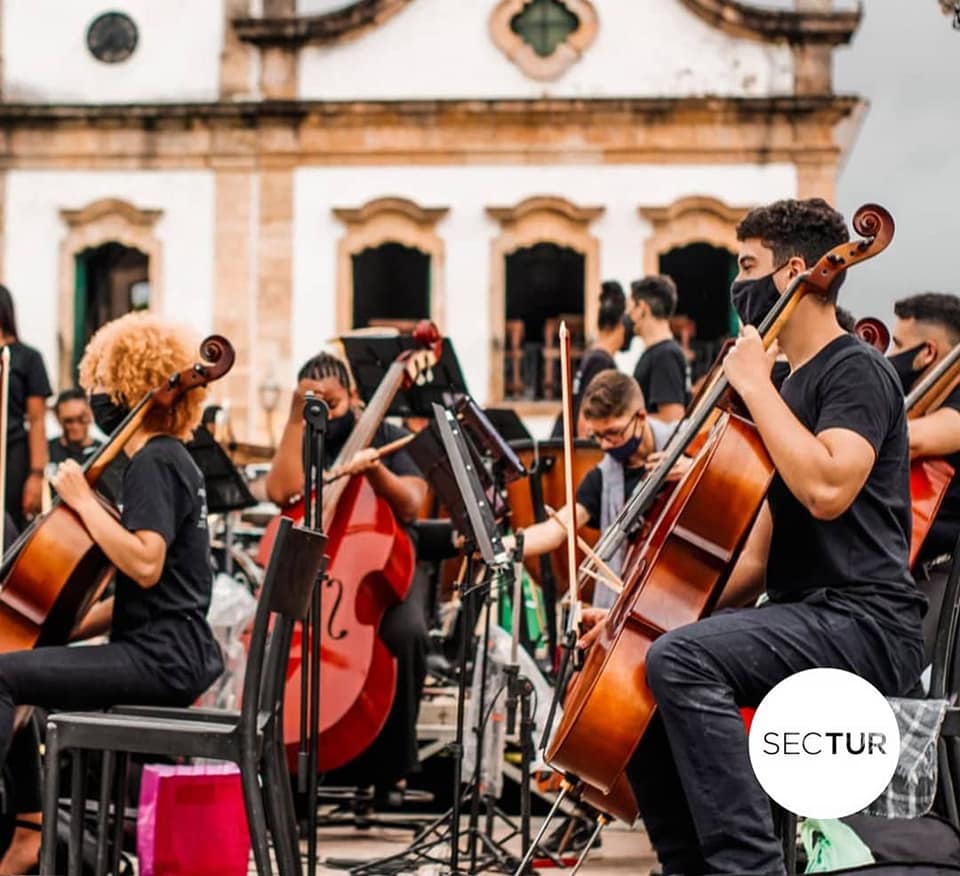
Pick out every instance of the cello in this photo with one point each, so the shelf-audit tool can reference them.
(675, 576)
(54, 572)
(371, 568)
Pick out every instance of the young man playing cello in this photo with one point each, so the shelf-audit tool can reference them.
(616, 417)
(830, 546)
(161, 649)
(927, 328)
(393, 754)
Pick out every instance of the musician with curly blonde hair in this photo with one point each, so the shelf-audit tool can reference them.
(161, 649)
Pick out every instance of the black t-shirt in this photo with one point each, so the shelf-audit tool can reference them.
(590, 491)
(60, 452)
(593, 362)
(942, 537)
(164, 493)
(400, 463)
(28, 379)
(860, 558)
(663, 375)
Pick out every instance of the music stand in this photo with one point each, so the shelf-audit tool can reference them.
(508, 424)
(369, 358)
(226, 489)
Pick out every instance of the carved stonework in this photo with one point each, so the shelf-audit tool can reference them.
(389, 220)
(562, 58)
(109, 220)
(695, 219)
(542, 219)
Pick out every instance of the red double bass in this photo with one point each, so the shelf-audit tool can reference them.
(370, 569)
(676, 574)
(55, 571)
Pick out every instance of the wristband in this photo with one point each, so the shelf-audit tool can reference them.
(36, 472)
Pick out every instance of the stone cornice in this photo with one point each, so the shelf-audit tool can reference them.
(825, 27)
(292, 133)
(296, 31)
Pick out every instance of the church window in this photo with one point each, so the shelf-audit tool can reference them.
(112, 37)
(544, 25)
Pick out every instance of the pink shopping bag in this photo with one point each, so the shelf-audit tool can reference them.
(191, 820)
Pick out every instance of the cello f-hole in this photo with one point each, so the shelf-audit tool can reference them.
(340, 634)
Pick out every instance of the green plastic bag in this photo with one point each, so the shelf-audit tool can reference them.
(831, 845)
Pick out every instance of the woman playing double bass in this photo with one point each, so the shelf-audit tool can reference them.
(831, 547)
(161, 649)
(395, 478)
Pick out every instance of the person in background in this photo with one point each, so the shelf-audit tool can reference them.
(926, 329)
(75, 442)
(26, 410)
(662, 371)
(611, 332)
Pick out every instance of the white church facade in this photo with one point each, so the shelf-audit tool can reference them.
(281, 171)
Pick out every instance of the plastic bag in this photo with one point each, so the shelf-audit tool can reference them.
(832, 845)
(191, 820)
(231, 610)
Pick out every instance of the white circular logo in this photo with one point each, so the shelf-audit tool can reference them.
(824, 743)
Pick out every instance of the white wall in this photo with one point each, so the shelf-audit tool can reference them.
(443, 49)
(34, 231)
(468, 231)
(46, 59)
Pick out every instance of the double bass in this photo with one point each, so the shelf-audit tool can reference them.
(371, 568)
(675, 575)
(54, 572)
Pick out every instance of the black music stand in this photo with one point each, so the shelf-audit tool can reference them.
(370, 356)
(226, 489)
(469, 499)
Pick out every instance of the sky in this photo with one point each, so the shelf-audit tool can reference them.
(905, 60)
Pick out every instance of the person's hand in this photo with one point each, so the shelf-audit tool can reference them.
(71, 485)
(363, 460)
(747, 366)
(679, 469)
(592, 623)
(32, 495)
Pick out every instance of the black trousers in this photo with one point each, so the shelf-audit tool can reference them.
(18, 467)
(84, 677)
(701, 803)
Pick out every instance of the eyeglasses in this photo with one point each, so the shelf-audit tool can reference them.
(612, 436)
(75, 421)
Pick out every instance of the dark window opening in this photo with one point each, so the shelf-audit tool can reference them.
(110, 280)
(543, 25)
(703, 274)
(545, 283)
(391, 286)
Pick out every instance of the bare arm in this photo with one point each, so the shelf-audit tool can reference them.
(96, 622)
(936, 434)
(405, 493)
(140, 555)
(37, 436)
(541, 538)
(285, 478)
(746, 581)
(825, 471)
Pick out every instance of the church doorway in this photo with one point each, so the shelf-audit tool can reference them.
(391, 286)
(703, 274)
(544, 284)
(110, 281)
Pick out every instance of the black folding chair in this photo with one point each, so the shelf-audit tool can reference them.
(251, 738)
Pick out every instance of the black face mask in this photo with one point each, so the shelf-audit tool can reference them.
(107, 414)
(339, 429)
(754, 299)
(903, 364)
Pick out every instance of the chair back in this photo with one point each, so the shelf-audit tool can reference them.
(296, 564)
(943, 682)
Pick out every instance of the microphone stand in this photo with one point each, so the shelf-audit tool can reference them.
(315, 416)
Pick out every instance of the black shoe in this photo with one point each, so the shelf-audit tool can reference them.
(572, 835)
